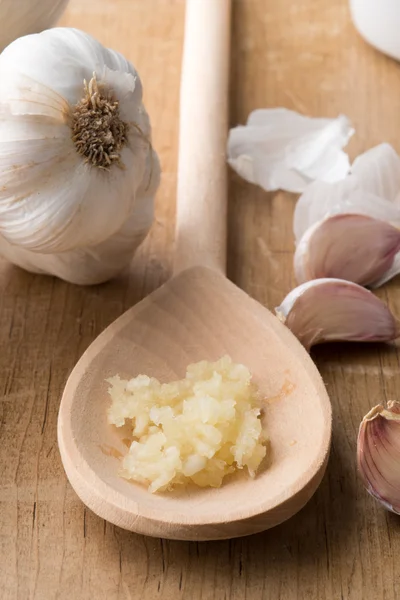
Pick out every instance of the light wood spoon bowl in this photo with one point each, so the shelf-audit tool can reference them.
(197, 315)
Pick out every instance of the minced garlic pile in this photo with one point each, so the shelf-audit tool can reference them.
(198, 429)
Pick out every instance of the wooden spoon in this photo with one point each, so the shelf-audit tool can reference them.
(198, 315)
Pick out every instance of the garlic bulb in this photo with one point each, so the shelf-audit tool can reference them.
(77, 170)
(378, 454)
(20, 17)
(326, 310)
(346, 246)
(371, 190)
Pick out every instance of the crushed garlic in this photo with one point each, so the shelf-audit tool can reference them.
(198, 429)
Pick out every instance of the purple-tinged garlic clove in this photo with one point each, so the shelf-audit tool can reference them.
(378, 454)
(327, 310)
(354, 247)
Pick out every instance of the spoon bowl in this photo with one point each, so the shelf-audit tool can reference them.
(198, 315)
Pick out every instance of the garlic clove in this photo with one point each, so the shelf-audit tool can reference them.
(282, 149)
(346, 246)
(326, 310)
(378, 454)
(369, 190)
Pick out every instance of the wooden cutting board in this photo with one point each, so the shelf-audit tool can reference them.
(304, 55)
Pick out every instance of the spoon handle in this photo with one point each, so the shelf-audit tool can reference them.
(200, 237)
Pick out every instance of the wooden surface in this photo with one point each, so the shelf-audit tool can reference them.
(302, 54)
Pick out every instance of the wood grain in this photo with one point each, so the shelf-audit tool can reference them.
(201, 199)
(302, 54)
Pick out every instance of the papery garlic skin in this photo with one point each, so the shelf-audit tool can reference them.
(282, 149)
(371, 190)
(21, 17)
(79, 217)
(347, 246)
(378, 454)
(327, 310)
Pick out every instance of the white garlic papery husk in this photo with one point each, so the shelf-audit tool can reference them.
(378, 454)
(345, 246)
(282, 149)
(21, 17)
(372, 190)
(77, 170)
(327, 310)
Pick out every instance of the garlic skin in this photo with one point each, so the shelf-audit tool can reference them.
(357, 248)
(378, 454)
(78, 172)
(372, 190)
(282, 149)
(327, 310)
(22, 17)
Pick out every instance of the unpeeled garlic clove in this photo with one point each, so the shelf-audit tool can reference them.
(354, 247)
(378, 454)
(326, 310)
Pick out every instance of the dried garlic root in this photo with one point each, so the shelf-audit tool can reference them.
(198, 429)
